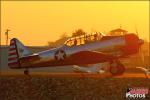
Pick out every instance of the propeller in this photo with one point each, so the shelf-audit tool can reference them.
(140, 48)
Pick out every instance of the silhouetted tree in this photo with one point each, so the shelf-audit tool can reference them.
(58, 42)
(78, 33)
(51, 44)
(64, 35)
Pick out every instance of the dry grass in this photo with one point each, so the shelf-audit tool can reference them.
(67, 88)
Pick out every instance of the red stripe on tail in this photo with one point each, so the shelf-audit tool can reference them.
(12, 44)
(13, 53)
(11, 49)
(13, 64)
(13, 58)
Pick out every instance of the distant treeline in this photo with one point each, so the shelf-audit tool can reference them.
(64, 37)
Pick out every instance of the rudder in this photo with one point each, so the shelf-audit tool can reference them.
(16, 51)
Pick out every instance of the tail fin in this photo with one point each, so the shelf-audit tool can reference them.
(16, 51)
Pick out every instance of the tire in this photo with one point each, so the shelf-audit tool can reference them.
(114, 70)
(26, 72)
(119, 69)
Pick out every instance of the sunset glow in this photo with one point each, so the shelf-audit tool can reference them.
(37, 22)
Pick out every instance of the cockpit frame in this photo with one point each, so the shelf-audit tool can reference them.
(84, 39)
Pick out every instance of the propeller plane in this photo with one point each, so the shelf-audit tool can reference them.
(80, 52)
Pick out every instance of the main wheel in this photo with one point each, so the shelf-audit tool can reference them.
(116, 68)
(121, 68)
(26, 72)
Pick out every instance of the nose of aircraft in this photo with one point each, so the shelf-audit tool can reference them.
(132, 43)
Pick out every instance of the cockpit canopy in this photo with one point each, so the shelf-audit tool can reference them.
(83, 39)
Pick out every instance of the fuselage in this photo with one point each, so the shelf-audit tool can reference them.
(119, 45)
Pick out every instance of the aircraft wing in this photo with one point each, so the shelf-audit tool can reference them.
(78, 58)
(88, 57)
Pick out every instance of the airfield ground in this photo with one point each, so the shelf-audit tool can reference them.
(69, 86)
(51, 85)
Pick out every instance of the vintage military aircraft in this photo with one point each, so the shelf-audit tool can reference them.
(79, 51)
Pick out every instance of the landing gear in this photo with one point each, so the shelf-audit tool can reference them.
(116, 68)
(26, 72)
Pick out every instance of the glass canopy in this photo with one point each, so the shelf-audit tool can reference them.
(84, 39)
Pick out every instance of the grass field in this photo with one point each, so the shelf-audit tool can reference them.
(69, 86)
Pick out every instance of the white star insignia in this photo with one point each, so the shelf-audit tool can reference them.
(60, 55)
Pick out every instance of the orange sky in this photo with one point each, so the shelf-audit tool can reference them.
(36, 22)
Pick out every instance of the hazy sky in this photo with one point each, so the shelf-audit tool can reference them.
(36, 22)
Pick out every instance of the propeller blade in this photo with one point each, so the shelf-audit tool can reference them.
(136, 31)
(141, 55)
(140, 48)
